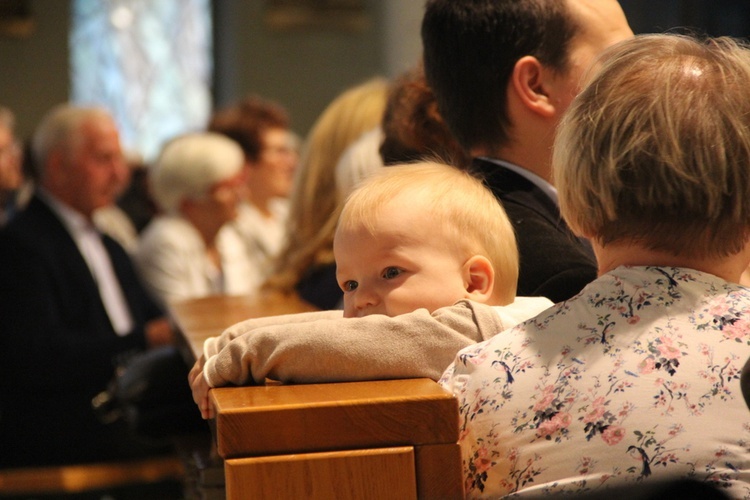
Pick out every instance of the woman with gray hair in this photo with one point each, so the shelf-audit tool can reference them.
(188, 251)
(634, 380)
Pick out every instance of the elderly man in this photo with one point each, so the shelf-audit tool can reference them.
(503, 72)
(71, 302)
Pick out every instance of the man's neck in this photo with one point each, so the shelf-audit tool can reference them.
(61, 207)
(53, 196)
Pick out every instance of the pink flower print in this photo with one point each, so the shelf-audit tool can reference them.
(625, 410)
(547, 398)
(665, 459)
(482, 462)
(613, 434)
(735, 331)
(647, 365)
(478, 359)
(547, 428)
(675, 430)
(718, 309)
(667, 350)
(585, 465)
(478, 404)
(633, 319)
(596, 412)
(594, 415)
(561, 420)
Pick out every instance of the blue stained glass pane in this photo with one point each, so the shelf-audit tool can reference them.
(148, 61)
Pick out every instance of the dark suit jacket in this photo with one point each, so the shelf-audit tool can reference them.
(57, 346)
(554, 262)
(320, 288)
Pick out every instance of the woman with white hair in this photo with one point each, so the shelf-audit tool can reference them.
(188, 251)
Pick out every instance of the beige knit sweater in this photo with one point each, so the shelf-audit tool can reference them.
(325, 347)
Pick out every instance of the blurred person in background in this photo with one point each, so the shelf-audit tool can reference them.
(189, 250)
(306, 264)
(271, 149)
(76, 307)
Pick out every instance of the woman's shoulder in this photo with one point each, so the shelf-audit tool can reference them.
(166, 231)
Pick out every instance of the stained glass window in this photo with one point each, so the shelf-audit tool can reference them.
(149, 62)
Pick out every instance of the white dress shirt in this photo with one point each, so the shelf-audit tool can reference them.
(89, 243)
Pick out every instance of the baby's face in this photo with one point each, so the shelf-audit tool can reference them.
(403, 265)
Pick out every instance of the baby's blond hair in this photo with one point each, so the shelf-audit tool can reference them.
(467, 213)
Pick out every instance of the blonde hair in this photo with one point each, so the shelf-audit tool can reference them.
(315, 202)
(656, 150)
(465, 211)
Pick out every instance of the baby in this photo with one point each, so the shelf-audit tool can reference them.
(423, 253)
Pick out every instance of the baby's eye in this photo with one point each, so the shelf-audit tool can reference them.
(391, 272)
(349, 286)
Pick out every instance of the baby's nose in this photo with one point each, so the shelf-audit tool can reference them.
(365, 299)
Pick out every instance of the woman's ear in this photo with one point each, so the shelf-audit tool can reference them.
(529, 81)
(479, 278)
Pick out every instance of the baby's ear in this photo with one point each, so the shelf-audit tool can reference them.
(479, 278)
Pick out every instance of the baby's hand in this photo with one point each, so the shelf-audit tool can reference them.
(196, 370)
(200, 393)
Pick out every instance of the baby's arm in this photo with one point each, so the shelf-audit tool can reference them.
(418, 344)
(213, 345)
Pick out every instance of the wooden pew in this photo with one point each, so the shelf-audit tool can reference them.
(365, 440)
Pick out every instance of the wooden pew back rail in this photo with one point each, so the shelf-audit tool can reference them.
(384, 439)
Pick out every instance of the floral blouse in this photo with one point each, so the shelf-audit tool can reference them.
(635, 378)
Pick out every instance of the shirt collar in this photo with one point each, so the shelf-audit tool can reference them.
(542, 184)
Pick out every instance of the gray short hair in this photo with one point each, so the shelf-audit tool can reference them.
(59, 128)
(190, 164)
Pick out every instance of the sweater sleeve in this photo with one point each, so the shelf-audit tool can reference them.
(213, 345)
(417, 344)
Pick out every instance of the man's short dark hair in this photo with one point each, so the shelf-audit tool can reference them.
(470, 49)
